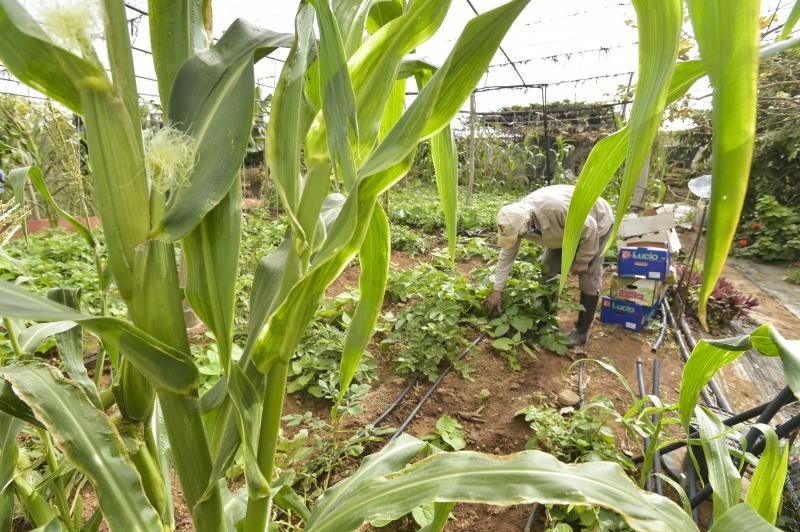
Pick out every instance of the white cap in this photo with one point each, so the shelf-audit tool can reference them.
(512, 222)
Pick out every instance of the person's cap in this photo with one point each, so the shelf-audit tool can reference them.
(512, 222)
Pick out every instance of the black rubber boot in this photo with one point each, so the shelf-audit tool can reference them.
(580, 335)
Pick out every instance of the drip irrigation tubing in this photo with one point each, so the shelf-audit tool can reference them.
(656, 418)
(398, 400)
(663, 334)
(532, 517)
(642, 395)
(432, 389)
(684, 350)
(691, 487)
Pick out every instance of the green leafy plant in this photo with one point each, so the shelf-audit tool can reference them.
(408, 240)
(448, 434)
(773, 234)
(585, 435)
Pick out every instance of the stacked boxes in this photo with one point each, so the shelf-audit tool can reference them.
(643, 265)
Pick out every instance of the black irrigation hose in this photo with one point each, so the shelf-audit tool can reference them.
(399, 399)
(663, 334)
(733, 420)
(782, 399)
(432, 389)
(691, 487)
(722, 400)
(532, 517)
(642, 395)
(782, 431)
(656, 417)
(684, 350)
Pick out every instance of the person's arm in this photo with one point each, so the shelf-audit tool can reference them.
(588, 247)
(504, 263)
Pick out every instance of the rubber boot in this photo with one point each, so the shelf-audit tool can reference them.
(580, 334)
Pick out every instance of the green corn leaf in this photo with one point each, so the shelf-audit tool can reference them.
(659, 23)
(177, 32)
(34, 174)
(165, 366)
(445, 163)
(274, 277)
(707, 358)
(9, 428)
(442, 97)
(338, 98)
(16, 179)
(32, 337)
(728, 42)
(395, 106)
(12, 405)
(28, 53)
(770, 472)
(117, 165)
(390, 487)
(352, 19)
(441, 513)
(212, 101)
(211, 251)
(722, 473)
(742, 517)
(711, 355)
(791, 22)
(373, 69)
(374, 259)
(381, 12)
(291, 116)
(279, 337)
(70, 344)
(89, 441)
(249, 409)
(390, 460)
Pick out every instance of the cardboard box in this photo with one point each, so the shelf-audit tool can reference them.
(647, 292)
(633, 225)
(630, 315)
(648, 262)
(668, 238)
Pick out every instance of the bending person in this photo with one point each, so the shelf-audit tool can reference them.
(540, 217)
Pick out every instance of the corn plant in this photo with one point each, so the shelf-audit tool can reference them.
(339, 136)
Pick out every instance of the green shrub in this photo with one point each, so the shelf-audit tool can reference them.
(773, 234)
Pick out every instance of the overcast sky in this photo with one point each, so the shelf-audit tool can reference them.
(554, 41)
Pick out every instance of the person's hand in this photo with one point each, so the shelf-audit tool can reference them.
(494, 303)
(578, 268)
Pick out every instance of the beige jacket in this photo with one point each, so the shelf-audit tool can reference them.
(548, 208)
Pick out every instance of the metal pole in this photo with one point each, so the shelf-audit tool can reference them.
(626, 98)
(548, 173)
(471, 182)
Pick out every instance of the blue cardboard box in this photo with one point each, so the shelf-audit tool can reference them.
(626, 313)
(647, 262)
